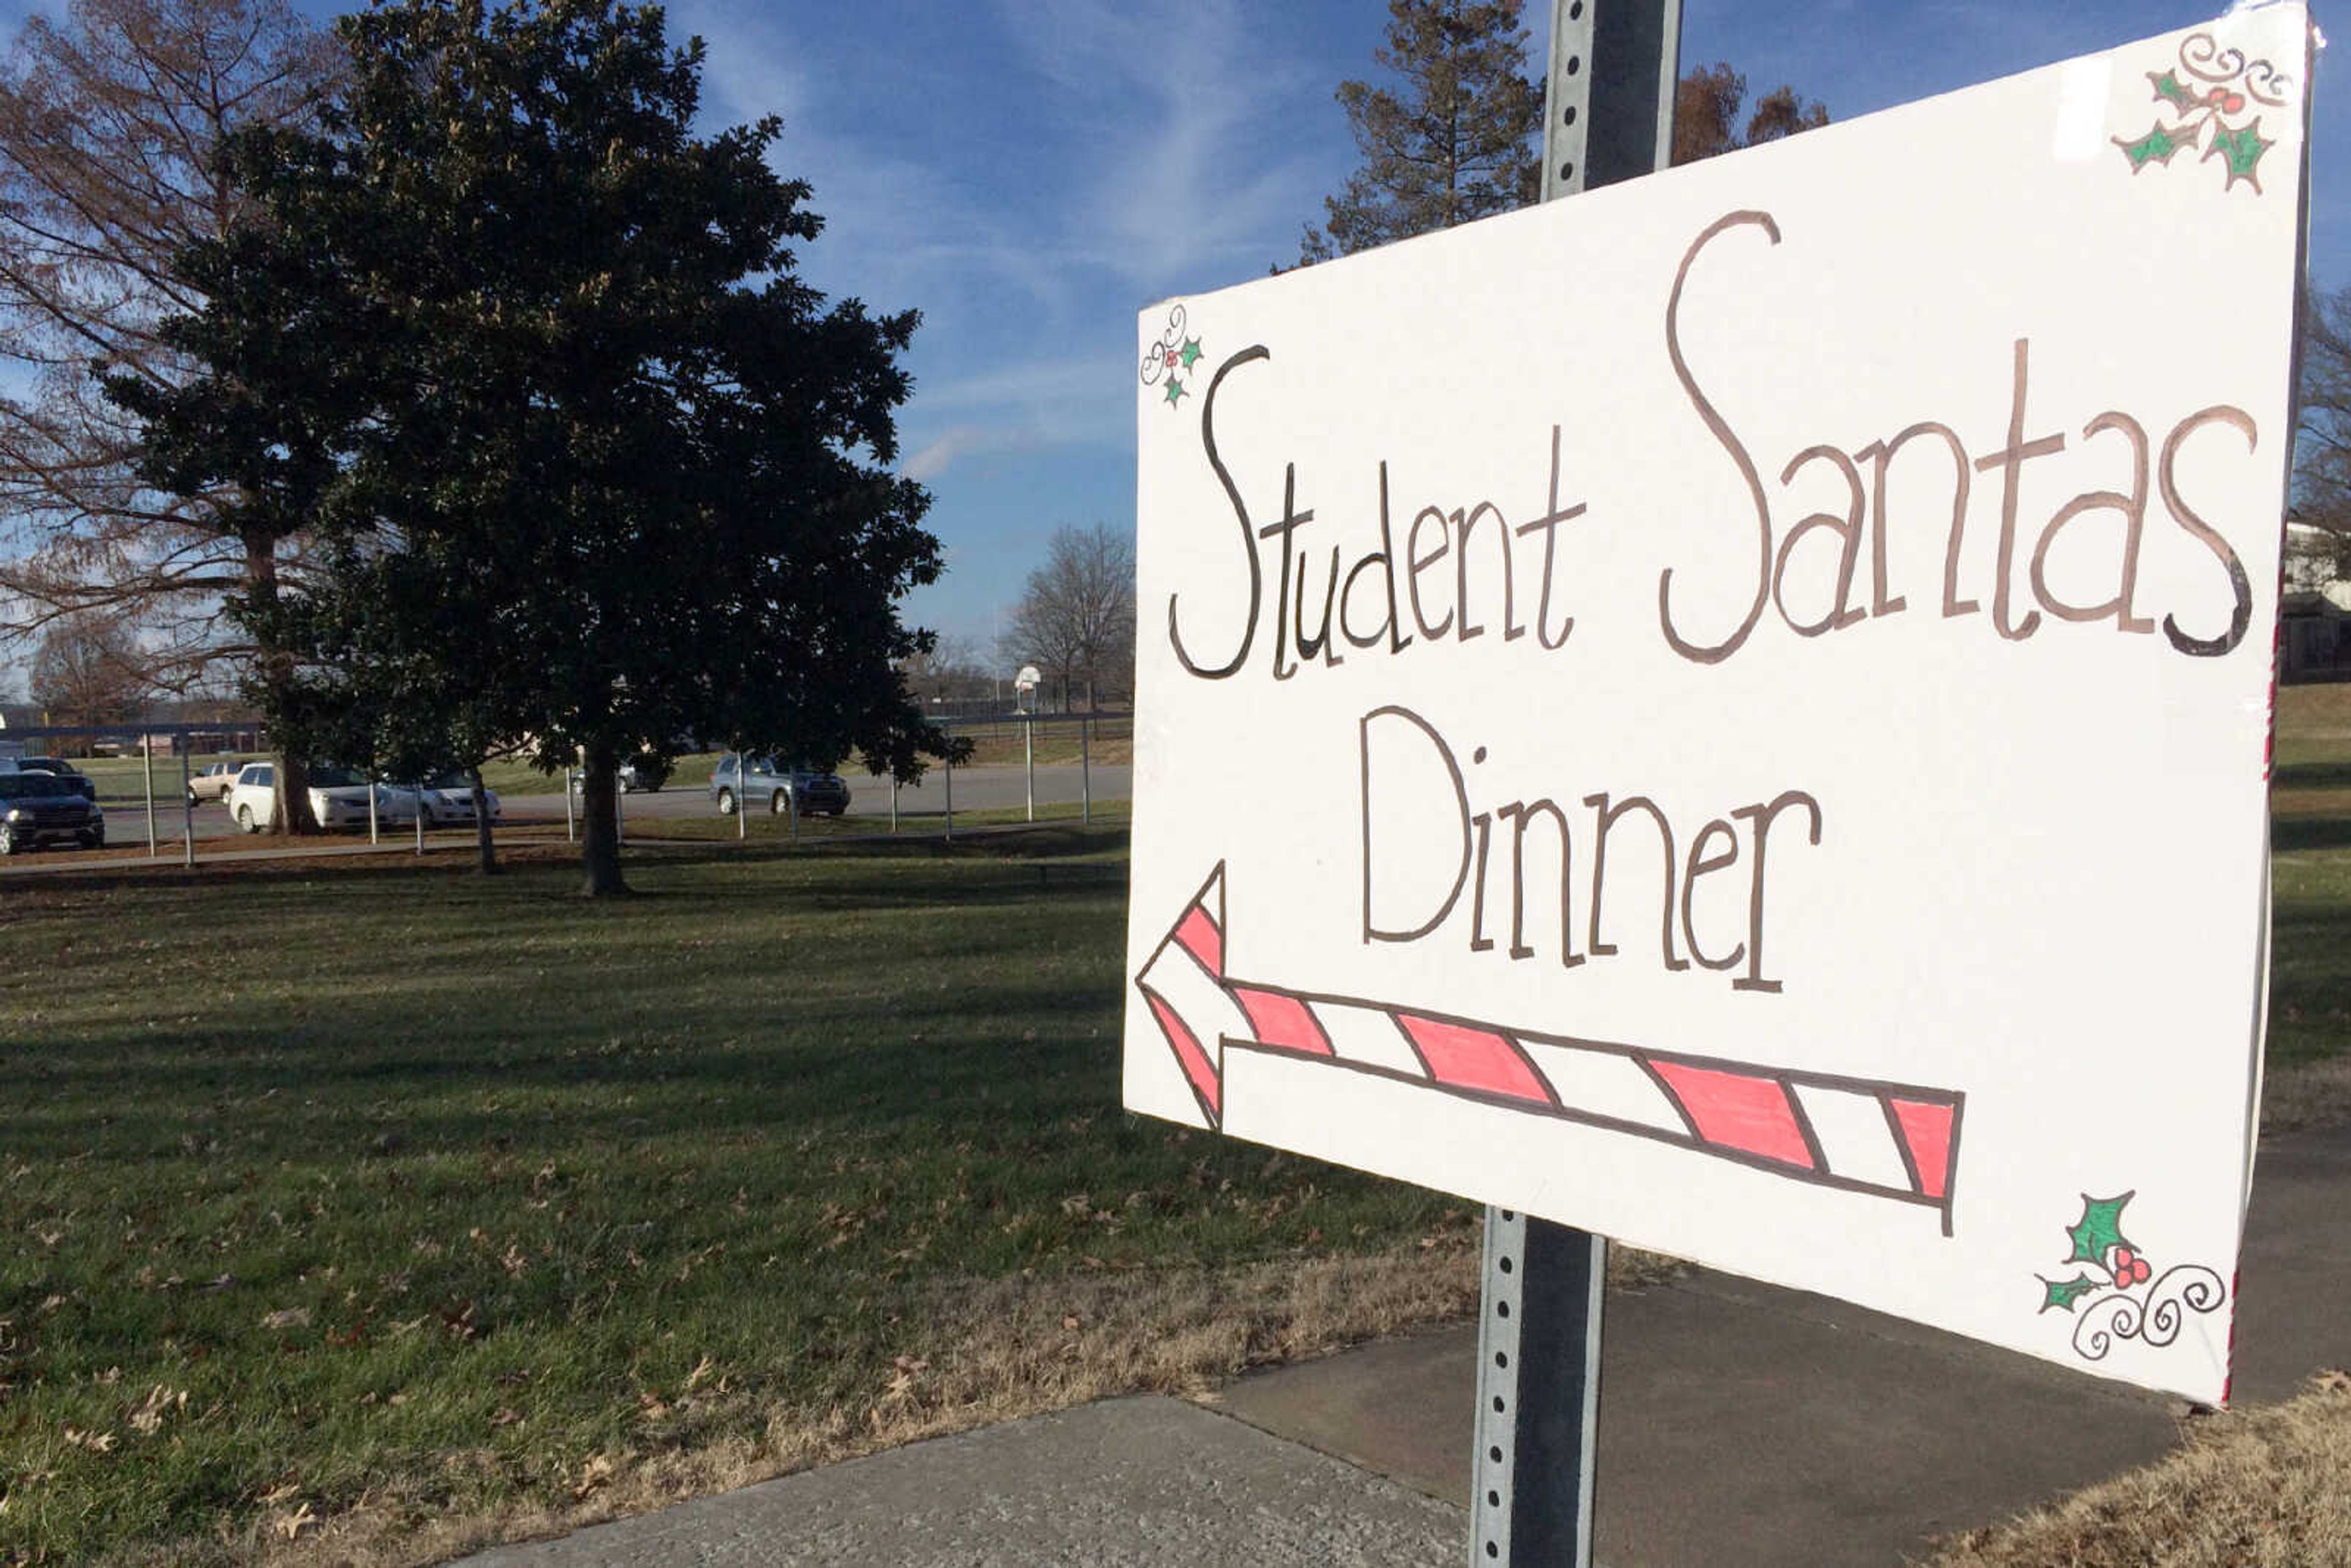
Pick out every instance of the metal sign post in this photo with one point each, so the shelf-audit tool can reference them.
(1608, 115)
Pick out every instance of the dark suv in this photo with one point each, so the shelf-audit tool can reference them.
(39, 809)
(59, 768)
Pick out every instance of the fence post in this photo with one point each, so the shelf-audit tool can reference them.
(893, 803)
(568, 835)
(187, 812)
(1086, 768)
(950, 799)
(1028, 747)
(372, 821)
(420, 815)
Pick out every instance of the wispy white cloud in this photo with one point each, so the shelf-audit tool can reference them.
(1186, 175)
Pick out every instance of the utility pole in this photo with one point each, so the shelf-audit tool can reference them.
(1608, 115)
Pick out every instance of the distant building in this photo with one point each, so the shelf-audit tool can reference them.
(2314, 635)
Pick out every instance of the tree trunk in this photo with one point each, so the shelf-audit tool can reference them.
(483, 842)
(599, 836)
(290, 815)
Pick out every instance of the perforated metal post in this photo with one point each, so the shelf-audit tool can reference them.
(1608, 115)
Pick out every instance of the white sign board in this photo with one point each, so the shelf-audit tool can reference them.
(1732, 711)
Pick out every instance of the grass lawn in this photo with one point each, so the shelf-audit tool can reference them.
(2310, 972)
(395, 1200)
(370, 1210)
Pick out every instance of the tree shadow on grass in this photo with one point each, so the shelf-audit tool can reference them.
(2302, 832)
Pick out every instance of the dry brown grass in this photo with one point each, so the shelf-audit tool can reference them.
(1007, 1348)
(2267, 1488)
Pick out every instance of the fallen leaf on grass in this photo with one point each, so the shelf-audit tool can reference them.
(290, 1525)
(596, 1471)
(160, 1402)
(506, 1416)
(287, 1318)
(96, 1442)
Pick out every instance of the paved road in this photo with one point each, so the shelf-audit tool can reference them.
(993, 788)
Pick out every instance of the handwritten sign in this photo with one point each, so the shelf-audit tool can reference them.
(1732, 711)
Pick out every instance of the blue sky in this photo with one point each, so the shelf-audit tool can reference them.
(1031, 173)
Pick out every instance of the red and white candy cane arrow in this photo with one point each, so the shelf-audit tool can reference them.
(1888, 1140)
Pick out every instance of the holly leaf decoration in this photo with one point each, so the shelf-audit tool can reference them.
(2100, 1229)
(2168, 86)
(2066, 1292)
(2244, 150)
(2157, 146)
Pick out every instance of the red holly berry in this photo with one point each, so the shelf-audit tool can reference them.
(2122, 1261)
(2232, 103)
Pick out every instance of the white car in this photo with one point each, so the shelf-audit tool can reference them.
(449, 801)
(339, 798)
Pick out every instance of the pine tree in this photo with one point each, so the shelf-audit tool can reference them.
(1458, 138)
(1461, 136)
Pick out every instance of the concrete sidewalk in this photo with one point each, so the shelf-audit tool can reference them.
(1740, 1425)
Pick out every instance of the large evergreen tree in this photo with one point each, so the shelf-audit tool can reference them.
(1456, 138)
(598, 470)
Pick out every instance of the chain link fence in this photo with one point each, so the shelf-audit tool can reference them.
(163, 790)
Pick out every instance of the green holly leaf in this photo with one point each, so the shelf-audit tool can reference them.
(1175, 389)
(1191, 355)
(2156, 146)
(2066, 1292)
(2244, 150)
(2169, 87)
(2100, 1229)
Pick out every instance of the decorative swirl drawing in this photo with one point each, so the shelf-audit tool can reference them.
(2103, 1293)
(2202, 57)
(2189, 1285)
(2116, 1317)
(1164, 355)
(1171, 357)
